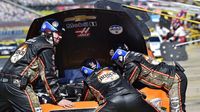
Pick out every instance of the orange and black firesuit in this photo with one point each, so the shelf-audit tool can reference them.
(32, 61)
(111, 90)
(139, 67)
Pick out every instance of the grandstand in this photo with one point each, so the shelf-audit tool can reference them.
(15, 20)
(43, 2)
(10, 13)
(25, 10)
(17, 15)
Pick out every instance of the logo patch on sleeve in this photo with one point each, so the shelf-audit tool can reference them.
(107, 76)
(19, 53)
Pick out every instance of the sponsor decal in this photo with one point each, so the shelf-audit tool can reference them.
(107, 76)
(81, 24)
(30, 41)
(79, 18)
(19, 53)
(116, 29)
(83, 32)
(175, 107)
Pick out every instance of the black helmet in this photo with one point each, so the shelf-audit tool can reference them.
(51, 25)
(89, 65)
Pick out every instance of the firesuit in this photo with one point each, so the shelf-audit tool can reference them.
(139, 67)
(32, 62)
(26, 64)
(112, 91)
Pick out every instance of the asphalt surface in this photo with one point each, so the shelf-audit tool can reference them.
(192, 70)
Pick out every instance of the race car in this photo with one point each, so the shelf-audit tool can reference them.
(92, 33)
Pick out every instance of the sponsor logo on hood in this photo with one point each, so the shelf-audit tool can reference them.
(116, 29)
(83, 32)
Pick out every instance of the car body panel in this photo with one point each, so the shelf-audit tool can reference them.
(88, 106)
(158, 97)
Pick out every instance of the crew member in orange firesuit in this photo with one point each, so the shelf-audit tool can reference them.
(139, 67)
(32, 61)
(111, 90)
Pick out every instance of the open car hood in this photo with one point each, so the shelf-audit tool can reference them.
(91, 33)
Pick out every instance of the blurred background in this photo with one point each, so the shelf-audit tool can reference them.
(16, 17)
